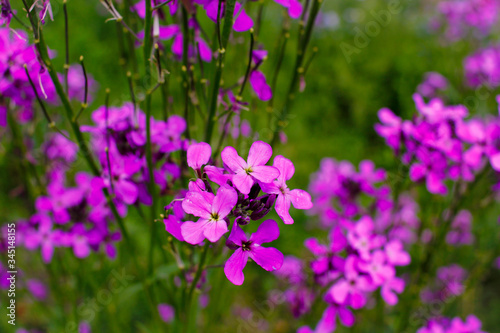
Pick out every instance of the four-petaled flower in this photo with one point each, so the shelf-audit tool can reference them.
(254, 169)
(299, 198)
(268, 258)
(212, 211)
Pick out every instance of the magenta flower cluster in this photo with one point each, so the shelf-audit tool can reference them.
(75, 217)
(482, 68)
(461, 18)
(365, 244)
(456, 325)
(441, 143)
(15, 87)
(230, 198)
(79, 216)
(449, 283)
(432, 84)
(119, 140)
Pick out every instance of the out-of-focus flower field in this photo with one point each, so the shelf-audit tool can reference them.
(250, 166)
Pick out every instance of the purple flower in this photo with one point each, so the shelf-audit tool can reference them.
(37, 289)
(268, 258)
(84, 327)
(294, 7)
(299, 198)
(430, 167)
(78, 239)
(291, 270)
(119, 181)
(259, 85)
(460, 232)
(390, 129)
(3, 116)
(198, 155)
(242, 22)
(471, 325)
(390, 288)
(173, 31)
(44, 9)
(431, 84)
(254, 169)
(327, 323)
(455, 325)
(100, 235)
(140, 7)
(475, 17)
(449, 283)
(45, 237)
(76, 84)
(483, 68)
(59, 199)
(352, 287)
(212, 211)
(173, 226)
(167, 312)
(5, 12)
(362, 237)
(378, 268)
(396, 254)
(59, 150)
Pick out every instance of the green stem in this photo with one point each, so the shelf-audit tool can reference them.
(66, 43)
(185, 68)
(214, 93)
(298, 69)
(199, 271)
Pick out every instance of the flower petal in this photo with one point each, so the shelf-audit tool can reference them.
(214, 230)
(301, 199)
(243, 182)
(127, 190)
(264, 173)
(259, 154)
(173, 227)
(237, 236)
(242, 22)
(495, 161)
(196, 204)
(224, 201)
(267, 231)
(204, 50)
(295, 9)
(268, 258)
(232, 160)
(234, 267)
(168, 31)
(198, 154)
(47, 252)
(260, 86)
(327, 322)
(339, 291)
(282, 208)
(346, 317)
(285, 167)
(417, 172)
(192, 232)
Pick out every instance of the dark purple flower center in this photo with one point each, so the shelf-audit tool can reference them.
(352, 187)
(283, 190)
(245, 246)
(78, 212)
